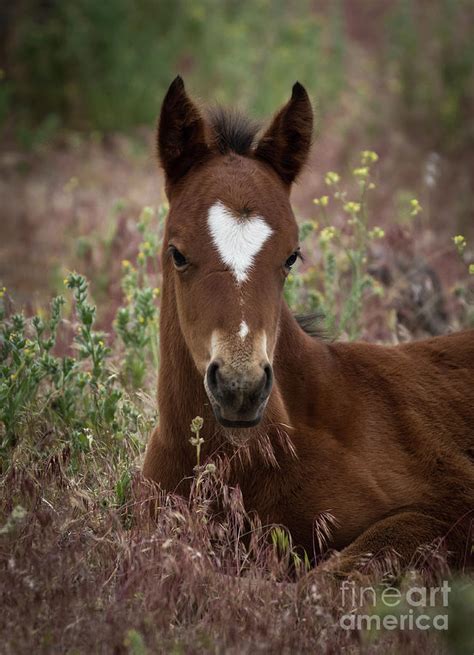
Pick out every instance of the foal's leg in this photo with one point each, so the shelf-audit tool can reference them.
(400, 534)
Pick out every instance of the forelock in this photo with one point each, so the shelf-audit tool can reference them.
(231, 131)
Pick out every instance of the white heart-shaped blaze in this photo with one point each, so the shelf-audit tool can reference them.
(237, 240)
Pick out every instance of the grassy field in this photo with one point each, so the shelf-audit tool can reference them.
(85, 568)
(387, 229)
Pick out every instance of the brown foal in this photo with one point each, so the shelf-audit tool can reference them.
(382, 437)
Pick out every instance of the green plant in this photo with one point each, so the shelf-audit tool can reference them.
(286, 553)
(80, 395)
(338, 286)
(25, 360)
(136, 322)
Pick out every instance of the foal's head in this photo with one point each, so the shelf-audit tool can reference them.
(230, 240)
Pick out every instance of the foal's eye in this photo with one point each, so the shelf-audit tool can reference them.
(179, 259)
(292, 260)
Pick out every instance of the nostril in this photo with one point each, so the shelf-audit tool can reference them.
(212, 371)
(268, 378)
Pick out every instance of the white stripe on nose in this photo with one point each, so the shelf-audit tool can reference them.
(243, 330)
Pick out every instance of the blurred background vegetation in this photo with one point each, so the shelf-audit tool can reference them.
(105, 65)
(82, 81)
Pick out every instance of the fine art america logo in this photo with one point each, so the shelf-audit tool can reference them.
(389, 608)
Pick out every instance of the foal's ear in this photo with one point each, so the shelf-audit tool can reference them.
(181, 133)
(286, 143)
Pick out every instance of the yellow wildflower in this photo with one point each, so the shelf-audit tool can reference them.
(361, 172)
(331, 178)
(377, 289)
(415, 207)
(352, 207)
(460, 243)
(327, 234)
(147, 214)
(323, 201)
(471, 269)
(377, 233)
(29, 347)
(368, 157)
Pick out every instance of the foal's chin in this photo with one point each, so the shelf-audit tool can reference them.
(237, 421)
(241, 424)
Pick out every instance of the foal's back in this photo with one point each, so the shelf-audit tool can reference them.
(422, 392)
(401, 422)
(417, 401)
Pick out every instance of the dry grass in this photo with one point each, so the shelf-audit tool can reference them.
(81, 574)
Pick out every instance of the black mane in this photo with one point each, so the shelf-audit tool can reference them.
(311, 324)
(231, 130)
